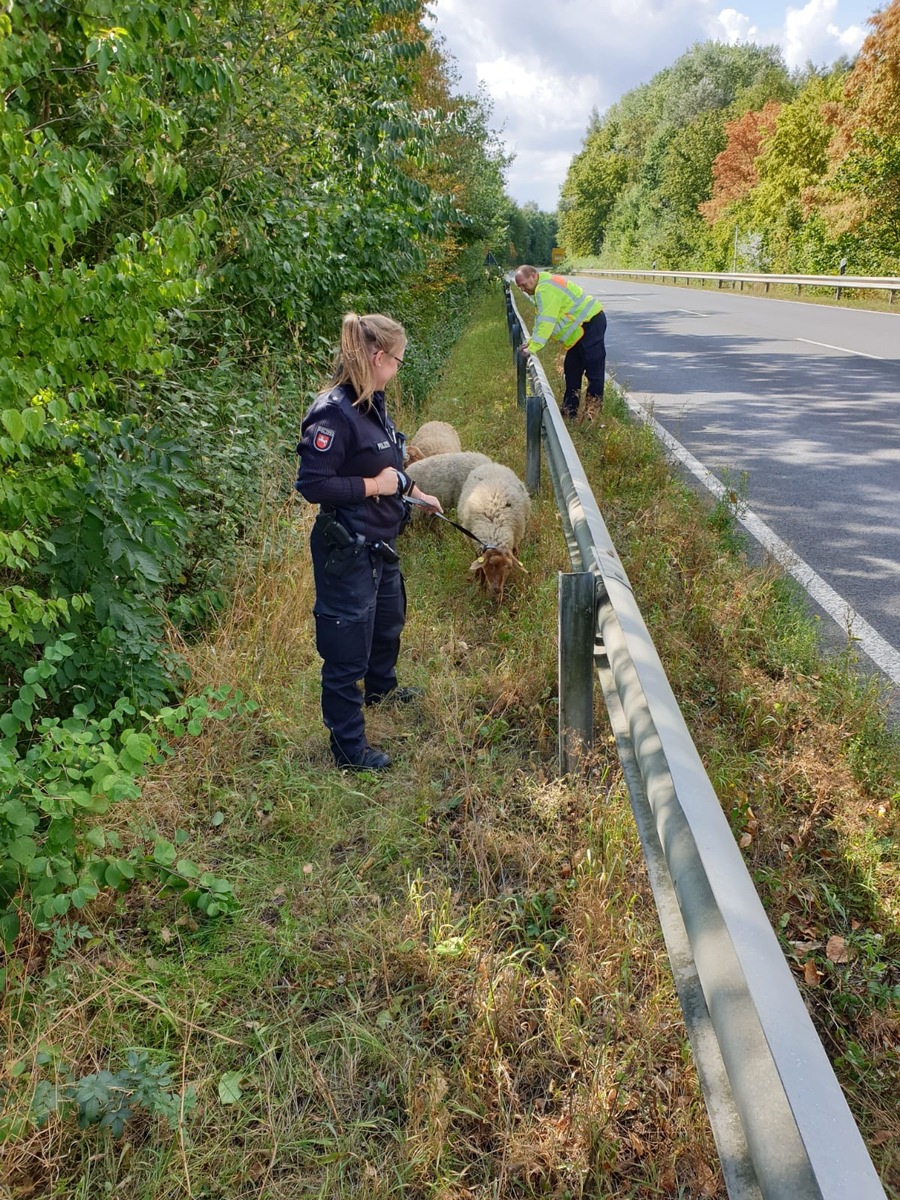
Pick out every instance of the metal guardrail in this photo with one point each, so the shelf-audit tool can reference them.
(780, 1120)
(838, 282)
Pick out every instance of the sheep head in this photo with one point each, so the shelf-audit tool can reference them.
(413, 454)
(492, 567)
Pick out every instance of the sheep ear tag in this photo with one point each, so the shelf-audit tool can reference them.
(323, 438)
(479, 562)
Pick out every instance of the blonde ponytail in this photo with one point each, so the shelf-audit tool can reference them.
(359, 337)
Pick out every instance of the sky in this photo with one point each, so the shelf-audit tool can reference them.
(547, 63)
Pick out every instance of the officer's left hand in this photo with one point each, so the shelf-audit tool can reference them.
(431, 501)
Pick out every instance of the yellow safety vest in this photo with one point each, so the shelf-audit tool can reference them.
(563, 309)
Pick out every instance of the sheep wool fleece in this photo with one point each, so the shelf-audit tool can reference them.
(360, 616)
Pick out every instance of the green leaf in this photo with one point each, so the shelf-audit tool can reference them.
(22, 850)
(9, 930)
(164, 853)
(113, 876)
(9, 724)
(139, 747)
(17, 814)
(230, 1087)
(83, 798)
(12, 421)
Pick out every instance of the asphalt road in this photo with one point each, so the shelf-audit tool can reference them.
(797, 403)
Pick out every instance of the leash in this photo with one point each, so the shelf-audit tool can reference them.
(414, 500)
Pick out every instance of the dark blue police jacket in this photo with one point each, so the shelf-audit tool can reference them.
(340, 446)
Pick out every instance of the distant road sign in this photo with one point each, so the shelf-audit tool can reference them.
(557, 254)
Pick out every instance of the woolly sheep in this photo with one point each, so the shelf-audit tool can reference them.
(434, 437)
(495, 506)
(443, 475)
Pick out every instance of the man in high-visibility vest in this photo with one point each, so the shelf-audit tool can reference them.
(566, 313)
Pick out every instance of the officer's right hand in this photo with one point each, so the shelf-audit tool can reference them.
(385, 482)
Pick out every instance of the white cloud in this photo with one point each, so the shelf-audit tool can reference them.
(810, 34)
(732, 26)
(807, 34)
(546, 66)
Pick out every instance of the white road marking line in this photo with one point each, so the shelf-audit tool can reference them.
(843, 349)
(881, 652)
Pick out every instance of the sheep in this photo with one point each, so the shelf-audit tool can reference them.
(434, 437)
(443, 475)
(495, 506)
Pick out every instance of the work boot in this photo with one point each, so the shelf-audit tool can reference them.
(398, 695)
(571, 402)
(369, 759)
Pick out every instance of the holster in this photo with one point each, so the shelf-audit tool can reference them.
(344, 547)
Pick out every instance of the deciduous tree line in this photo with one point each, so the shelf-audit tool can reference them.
(728, 159)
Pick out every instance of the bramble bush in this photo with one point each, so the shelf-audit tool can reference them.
(54, 855)
(108, 1099)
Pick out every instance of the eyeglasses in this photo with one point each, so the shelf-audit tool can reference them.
(398, 361)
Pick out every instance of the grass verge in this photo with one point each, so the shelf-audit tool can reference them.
(450, 982)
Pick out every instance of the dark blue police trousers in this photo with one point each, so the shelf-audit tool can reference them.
(359, 619)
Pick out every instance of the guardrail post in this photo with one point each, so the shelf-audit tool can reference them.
(521, 368)
(534, 412)
(842, 270)
(577, 627)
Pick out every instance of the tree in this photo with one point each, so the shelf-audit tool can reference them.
(793, 157)
(861, 194)
(735, 170)
(634, 189)
(686, 177)
(590, 191)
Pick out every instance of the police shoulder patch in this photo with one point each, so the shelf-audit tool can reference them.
(323, 438)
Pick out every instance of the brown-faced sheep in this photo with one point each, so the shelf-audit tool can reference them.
(434, 437)
(494, 505)
(443, 475)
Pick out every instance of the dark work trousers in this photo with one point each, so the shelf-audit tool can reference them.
(359, 620)
(587, 357)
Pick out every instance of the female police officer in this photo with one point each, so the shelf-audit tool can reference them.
(350, 463)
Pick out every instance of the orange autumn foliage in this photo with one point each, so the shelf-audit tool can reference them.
(735, 173)
(866, 145)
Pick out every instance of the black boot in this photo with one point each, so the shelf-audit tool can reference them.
(369, 758)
